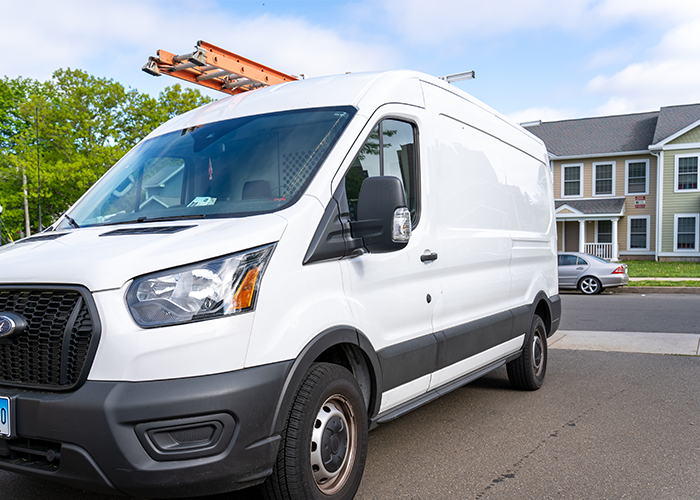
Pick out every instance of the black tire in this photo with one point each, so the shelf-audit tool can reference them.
(324, 446)
(527, 372)
(590, 285)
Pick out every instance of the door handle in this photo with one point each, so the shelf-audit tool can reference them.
(428, 257)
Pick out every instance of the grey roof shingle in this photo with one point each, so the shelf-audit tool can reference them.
(675, 118)
(599, 135)
(591, 207)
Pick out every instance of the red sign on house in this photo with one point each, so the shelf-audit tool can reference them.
(640, 201)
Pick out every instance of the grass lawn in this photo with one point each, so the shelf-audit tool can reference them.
(651, 269)
(665, 283)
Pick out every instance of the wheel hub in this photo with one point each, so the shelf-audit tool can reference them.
(329, 444)
(334, 444)
(537, 352)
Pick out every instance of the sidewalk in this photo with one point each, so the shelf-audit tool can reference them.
(630, 288)
(687, 344)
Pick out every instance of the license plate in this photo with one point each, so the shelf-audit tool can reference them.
(5, 417)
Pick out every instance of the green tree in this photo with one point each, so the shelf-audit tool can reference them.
(74, 127)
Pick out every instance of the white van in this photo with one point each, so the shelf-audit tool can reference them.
(262, 280)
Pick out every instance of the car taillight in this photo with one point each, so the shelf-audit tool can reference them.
(619, 270)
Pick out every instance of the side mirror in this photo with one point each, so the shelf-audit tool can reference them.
(383, 221)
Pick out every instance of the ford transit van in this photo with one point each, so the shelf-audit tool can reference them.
(262, 280)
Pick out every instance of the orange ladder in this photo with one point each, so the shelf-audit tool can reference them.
(215, 68)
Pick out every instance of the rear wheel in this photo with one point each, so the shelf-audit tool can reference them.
(527, 372)
(590, 285)
(324, 446)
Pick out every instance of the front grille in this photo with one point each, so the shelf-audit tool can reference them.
(56, 349)
(34, 453)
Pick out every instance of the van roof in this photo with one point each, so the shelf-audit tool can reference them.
(336, 90)
(365, 91)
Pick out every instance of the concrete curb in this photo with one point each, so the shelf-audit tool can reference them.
(687, 344)
(664, 279)
(654, 289)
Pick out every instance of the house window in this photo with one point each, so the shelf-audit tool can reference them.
(686, 232)
(638, 235)
(603, 179)
(686, 173)
(571, 180)
(637, 177)
(604, 234)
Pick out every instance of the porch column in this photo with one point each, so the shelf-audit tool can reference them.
(615, 242)
(582, 236)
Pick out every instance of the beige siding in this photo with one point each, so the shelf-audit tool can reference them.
(675, 203)
(692, 136)
(631, 209)
(620, 188)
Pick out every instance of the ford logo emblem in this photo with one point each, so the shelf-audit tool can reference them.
(11, 325)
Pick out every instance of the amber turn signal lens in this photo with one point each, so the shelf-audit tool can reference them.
(244, 295)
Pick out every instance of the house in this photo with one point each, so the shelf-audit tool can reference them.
(626, 186)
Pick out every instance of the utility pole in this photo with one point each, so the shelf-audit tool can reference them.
(26, 203)
(38, 170)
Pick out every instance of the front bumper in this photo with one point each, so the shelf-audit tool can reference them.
(172, 438)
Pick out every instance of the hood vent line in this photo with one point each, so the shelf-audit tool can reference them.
(147, 230)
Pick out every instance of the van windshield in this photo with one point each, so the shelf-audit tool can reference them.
(239, 167)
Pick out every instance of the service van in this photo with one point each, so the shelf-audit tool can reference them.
(264, 279)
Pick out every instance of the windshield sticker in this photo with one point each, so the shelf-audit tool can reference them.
(202, 201)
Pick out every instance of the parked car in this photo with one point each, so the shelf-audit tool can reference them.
(589, 274)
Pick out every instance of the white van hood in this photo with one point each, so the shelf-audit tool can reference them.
(101, 261)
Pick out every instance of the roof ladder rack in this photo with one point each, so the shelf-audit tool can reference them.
(215, 68)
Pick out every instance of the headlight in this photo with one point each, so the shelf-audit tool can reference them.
(214, 288)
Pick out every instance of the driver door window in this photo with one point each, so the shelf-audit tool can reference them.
(390, 149)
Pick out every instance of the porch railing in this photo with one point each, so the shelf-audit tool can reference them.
(602, 250)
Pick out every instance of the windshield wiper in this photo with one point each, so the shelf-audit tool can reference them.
(71, 221)
(157, 219)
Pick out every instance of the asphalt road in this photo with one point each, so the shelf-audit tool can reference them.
(603, 426)
(627, 312)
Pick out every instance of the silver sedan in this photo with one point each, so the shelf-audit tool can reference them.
(588, 273)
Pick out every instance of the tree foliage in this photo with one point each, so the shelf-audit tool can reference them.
(74, 127)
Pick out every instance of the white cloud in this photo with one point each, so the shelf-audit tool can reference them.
(448, 21)
(544, 114)
(670, 75)
(444, 22)
(667, 11)
(611, 56)
(114, 39)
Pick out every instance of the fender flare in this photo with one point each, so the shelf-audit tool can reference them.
(553, 310)
(327, 339)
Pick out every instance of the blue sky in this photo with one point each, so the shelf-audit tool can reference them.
(534, 59)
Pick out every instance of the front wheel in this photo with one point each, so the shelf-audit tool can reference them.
(590, 285)
(324, 446)
(527, 372)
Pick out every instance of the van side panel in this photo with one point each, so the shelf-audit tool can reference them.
(471, 196)
(530, 203)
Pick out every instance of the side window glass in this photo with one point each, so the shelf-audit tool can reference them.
(582, 262)
(567, 260)
(389, 150)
